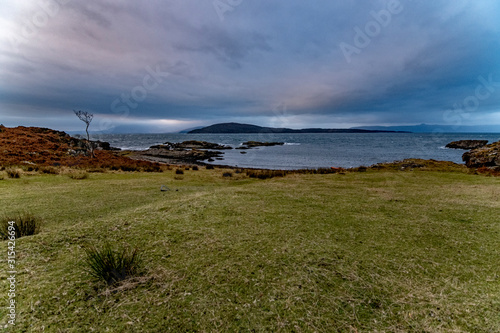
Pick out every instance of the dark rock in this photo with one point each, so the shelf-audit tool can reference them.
(487, 156)
(166, 152)
(252, 144)
(467, 144)
(103, 145)
(194, 144)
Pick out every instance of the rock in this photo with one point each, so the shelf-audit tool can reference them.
(194, 144)
(487, 156)
(252, 144)
(184, 152)
(102, 145)
(166, 152)
(467, 144)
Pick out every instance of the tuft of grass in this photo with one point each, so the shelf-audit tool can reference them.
(25, 224)
(179, 172)
(227, 174)
(13, 173)
(49, 170)
(112, 266)
(195, 168)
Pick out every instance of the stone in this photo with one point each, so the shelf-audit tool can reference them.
(467, 144)
(252, 144)
(487, 156)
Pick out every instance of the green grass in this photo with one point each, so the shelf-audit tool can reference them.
(112, 265)
(385, 251)
(19, 225)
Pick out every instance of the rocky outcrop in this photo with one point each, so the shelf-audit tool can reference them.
(467, 144)
(194, 144)
(103, 145)
(184, 152)
(40, 147)
(252, 144)
(487, 156)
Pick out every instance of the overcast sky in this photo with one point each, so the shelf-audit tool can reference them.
(162, 66)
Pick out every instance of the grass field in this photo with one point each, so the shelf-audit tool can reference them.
(377, 251)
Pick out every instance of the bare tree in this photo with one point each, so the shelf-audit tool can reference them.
(86, 117)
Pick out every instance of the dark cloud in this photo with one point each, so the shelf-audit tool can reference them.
(248, 62)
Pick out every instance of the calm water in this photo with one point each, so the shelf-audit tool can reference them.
(315, 150)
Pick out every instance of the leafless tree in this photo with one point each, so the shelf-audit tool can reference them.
(86, 117)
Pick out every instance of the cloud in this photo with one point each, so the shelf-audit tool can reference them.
(421, 61)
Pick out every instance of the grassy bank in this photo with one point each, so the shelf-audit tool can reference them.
(373, 251)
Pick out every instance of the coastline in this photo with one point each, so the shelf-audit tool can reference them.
(316, 150)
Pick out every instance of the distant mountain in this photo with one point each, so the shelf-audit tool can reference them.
(425, 128)
(246, 128)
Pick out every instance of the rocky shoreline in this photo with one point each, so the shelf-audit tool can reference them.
(467, 144)
(484, 157)
(480, 154)
(191, 152)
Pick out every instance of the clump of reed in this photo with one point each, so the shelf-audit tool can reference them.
(22, 224)
(113, 265)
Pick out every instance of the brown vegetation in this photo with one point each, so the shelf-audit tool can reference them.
(43, 148)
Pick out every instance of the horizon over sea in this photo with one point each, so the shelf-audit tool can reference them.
(314, 150)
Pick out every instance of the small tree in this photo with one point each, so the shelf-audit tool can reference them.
(86, 117)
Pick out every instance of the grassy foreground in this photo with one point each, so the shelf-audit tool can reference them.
(385, 251)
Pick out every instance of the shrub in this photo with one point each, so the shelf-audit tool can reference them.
(152, 168)
(13, 173)
(111, 265)
(129, 168)
(195, 168)
(179, 172)
(265, 174)
(227, 174)
(96, 170)
(25, 224)
(49, 170)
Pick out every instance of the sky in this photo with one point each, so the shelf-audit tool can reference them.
(163, 66)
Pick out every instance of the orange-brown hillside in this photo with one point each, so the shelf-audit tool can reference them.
(47, 147)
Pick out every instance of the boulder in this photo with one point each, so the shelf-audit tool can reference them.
(103, 145)
(487, 156)
(467, 144)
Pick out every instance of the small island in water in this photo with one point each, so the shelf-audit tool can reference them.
(227, 128)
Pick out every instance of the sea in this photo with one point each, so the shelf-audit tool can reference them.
(318, 150)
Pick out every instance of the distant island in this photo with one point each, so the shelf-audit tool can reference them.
(247, 128)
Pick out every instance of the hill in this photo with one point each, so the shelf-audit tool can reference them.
(42, 147)
(247, 128)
